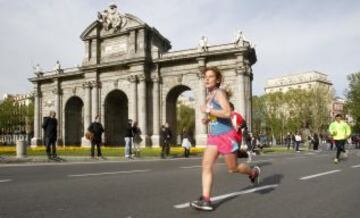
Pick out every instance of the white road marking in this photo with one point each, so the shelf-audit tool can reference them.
(221, 197)
(5, 180)
(319, 174)
(110, 173)
(355, 166)
(191, 167)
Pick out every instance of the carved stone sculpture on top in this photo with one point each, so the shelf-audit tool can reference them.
(203, 44)
(37, 71)
(57, 67)
(239, 39)
(111, 18)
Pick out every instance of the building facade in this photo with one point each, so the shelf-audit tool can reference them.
(128, 72)
(305, 80)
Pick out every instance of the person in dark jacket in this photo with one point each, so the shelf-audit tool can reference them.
(315, 141)
(166, 137)
(50, 131)
(97, 130)
(128, 139)
(136, 139)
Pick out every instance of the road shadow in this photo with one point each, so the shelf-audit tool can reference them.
(270, 180)
(58, 159)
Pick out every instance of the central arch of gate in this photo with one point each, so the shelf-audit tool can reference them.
(129, 72)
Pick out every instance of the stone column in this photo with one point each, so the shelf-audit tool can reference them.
(87, 112)
(155, 138)
(201, 129)
(241, 92)
(36, 140)
(142, 115)
(133, 80)
(240, 77)
(95, 99)
(57, 92)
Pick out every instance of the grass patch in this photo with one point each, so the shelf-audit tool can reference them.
(106, 151)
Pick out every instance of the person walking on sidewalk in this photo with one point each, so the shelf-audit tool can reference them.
(97, 130)
(137, 139)
(186, 144)
(340, 131)
(221, 138)
(128, 140)
(50, 130)
(297, 141)
(166, 138)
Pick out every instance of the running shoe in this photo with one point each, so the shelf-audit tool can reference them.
(336, 161)
(202, 204)
(255, 175)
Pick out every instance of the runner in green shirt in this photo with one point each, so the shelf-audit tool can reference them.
(340, 132)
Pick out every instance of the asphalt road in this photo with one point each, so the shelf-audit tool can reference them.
(295, 185)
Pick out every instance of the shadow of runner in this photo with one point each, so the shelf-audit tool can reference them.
(270, 181)
(58, 159)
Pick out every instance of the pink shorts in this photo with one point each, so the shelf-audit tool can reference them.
(226, 143)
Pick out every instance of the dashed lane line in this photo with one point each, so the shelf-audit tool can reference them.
(319, 174)
(110, 173)
(5, 180)
(230, 195)
(355, 166)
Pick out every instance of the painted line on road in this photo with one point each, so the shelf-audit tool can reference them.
(355, 166)
(5, 180)
(110, 173)
(230, 195)
(191, 167)
(319, 174)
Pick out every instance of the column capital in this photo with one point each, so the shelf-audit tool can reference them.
(141, 78)
(155, 78)
(95, 84)
(132, 78)
(57, 91)
(87, 85)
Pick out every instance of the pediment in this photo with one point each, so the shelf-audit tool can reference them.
(128, 21)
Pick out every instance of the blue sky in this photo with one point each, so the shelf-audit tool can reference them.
(290, 36)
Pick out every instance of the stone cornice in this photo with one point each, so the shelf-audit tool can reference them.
(196, 55)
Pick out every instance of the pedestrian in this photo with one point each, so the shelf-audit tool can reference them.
(166, 139)
(297, 141)
(137, 139)
(186, 144)
(50, 130)
(221, 138)
(288, 140)
(315, 141)
(128, 140)
(340, 131)
(97, 130)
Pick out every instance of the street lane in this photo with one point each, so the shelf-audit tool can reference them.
(48, 191)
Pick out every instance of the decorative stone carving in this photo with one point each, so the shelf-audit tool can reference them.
(37, 71)
(87, 85)
(203, 44)
(74, 90)
(239, 39)
(49, 103)
(57, 67)
(155, 78)
(116, 83)
(132, 78)
(111, 18)
(141, 78)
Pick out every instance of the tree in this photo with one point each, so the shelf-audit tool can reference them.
(353, 99)
(185, 119)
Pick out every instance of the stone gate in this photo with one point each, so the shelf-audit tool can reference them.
(128, 72)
